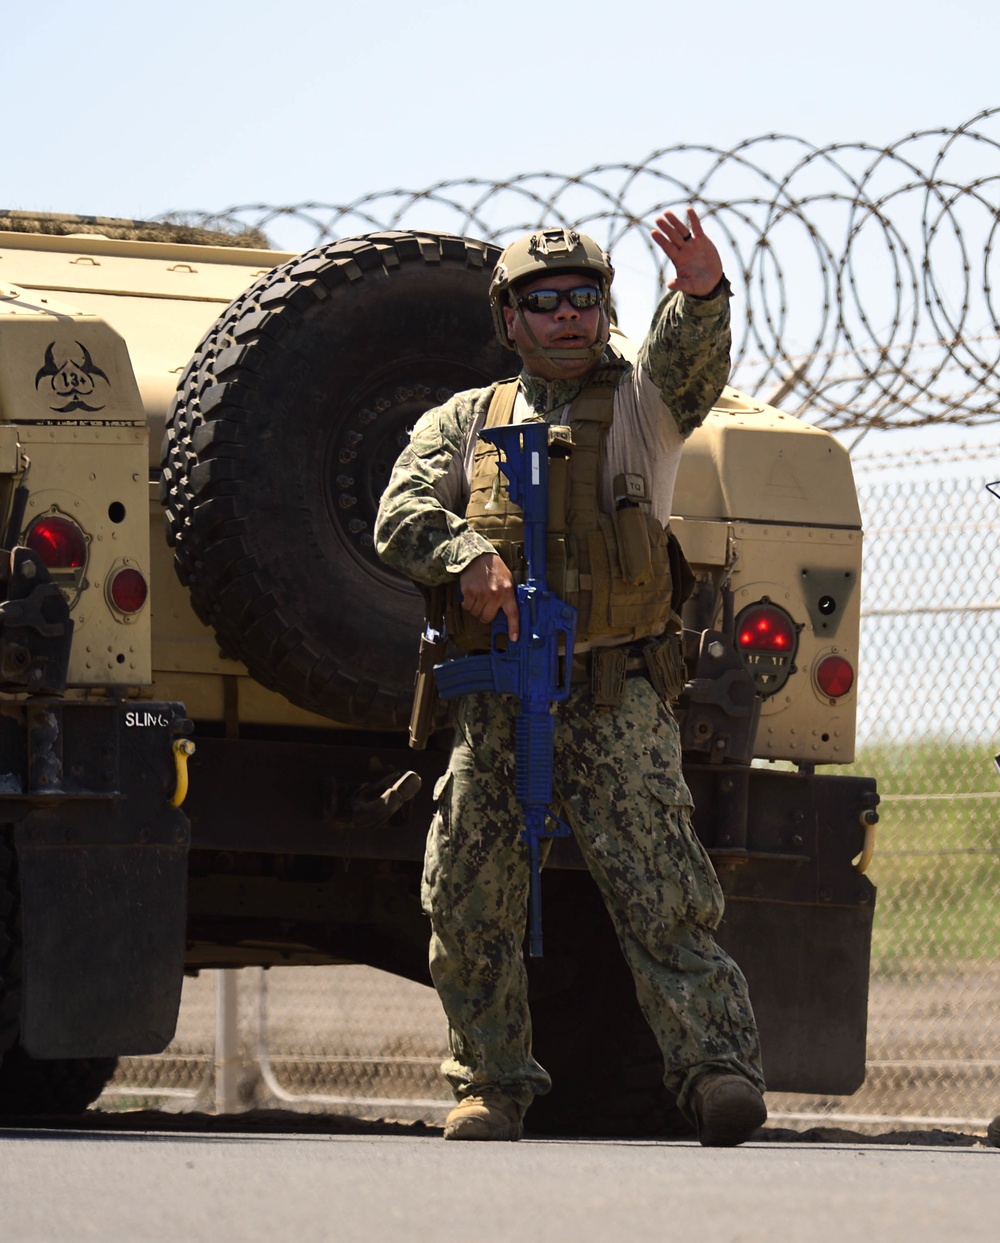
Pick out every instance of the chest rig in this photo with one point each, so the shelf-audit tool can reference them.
(613, 568)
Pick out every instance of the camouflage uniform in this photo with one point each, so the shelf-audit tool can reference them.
(618, 779)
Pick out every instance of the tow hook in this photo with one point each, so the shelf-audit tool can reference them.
(868, 819)
(183, 748)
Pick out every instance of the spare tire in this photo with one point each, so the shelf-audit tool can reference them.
(32, 1087)
(280, 441)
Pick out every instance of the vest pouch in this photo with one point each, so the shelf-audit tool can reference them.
(464, 630)
(635, 610)
(563, 578)
(558, 494)
(601, 548)
(607, 675)
(468, 632)
(665, 666)
(634, 554)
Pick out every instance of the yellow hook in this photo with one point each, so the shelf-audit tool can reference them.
(183, 748)
(869, 819)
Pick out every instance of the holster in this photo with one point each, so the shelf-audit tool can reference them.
(432, 652)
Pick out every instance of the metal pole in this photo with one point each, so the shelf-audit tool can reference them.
(227, 1042)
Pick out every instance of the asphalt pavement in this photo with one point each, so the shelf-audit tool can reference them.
(406, 1184)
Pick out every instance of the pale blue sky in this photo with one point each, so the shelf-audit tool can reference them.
(118, 108)
(121, 109)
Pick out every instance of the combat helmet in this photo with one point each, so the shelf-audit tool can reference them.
(540, 254)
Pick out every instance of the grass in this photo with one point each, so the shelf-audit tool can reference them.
(937, 857)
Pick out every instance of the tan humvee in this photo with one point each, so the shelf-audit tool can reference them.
(277, 391)
(763, 500)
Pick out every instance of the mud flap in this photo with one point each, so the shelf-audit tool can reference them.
(799, 914)
(807, 970)
(103, 887)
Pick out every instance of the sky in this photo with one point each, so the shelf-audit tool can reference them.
(135, 110)
(122, 109)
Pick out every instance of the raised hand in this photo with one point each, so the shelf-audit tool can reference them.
(695, 259)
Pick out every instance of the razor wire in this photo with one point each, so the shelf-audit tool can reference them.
(864, 274)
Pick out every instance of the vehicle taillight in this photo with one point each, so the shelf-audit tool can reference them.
(58, 541)
(765, 628)
(834, 676)
(766, 638)
(128, 590)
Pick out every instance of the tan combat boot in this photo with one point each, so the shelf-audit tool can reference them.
(488, 1115)
(727, 1109)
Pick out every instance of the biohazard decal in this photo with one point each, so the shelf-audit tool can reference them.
(73, 381)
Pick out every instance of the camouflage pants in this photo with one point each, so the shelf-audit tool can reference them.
(619, 785)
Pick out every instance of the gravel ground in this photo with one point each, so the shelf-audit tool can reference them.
(348, 1035)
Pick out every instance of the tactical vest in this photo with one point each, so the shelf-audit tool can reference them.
(614, 569)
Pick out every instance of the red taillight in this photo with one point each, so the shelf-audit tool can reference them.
(128, 591)
(765, 628)
(58, 541)
(834, 676)
(766, 639)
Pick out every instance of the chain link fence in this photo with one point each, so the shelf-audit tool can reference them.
(928, 730)
(866, 299)
(356, 1041)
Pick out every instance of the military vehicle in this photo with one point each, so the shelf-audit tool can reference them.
(207, 674)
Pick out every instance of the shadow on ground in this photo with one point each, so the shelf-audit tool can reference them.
(292, 1122)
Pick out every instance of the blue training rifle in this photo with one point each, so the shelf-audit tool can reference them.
(529, 668)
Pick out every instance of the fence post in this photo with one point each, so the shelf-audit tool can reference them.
(227, 1042)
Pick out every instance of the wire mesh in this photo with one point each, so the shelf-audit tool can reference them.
(866, 279)
(377, 1063)
(182, 1076)
(927, 730)
(352, 1039)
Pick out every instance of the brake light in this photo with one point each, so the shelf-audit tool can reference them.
(834, 676)
(128, 590)
(58, 541)
(766, 638)
(765, 628)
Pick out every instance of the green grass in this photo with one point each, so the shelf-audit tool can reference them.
(937, 856)
(928, 767)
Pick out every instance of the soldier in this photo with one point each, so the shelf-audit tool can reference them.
(445, 519)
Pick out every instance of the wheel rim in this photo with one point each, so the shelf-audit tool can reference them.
(363, 449)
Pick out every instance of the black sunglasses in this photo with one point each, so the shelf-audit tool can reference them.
(582, 298)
